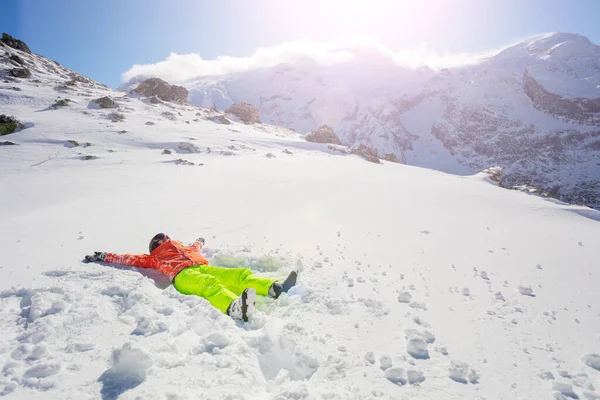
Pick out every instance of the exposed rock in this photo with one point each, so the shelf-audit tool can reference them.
(105, 102)
(495, 174)
(74, 143)
(9, 125)
(14, 43)
(369, 153)
(149, 123)
(323, 134)
(579, 110)
(86, 158)
(219, 119)
(154, 100)
(17, 59)
(391, 157)
(7, 143)
(533, 110)
(60, 103)
(247, 113)
(339, 148)
(162, 90)
(20, 73)
(166, 151)
(181, 161)
(169, 115)
(188, 147)
(116, 117)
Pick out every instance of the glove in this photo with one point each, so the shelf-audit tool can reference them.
(97, 256)
(201, 240)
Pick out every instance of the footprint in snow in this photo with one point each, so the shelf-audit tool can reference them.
(417, 342)
(418, 305)
(546, 375)
(370, 357)
(417, 347)
(526, 291)
(404, 297)
(396, 376)
(385, 362)
(592, 360)
(461, 372)
(415, 376)
(565, 389)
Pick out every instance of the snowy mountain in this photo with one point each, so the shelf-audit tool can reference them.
(533, 109)
(413, 283)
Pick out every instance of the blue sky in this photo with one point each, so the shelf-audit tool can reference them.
(103, 39)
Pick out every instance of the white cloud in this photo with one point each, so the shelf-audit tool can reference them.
(178, 68)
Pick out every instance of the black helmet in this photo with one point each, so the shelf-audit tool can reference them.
(155, 242)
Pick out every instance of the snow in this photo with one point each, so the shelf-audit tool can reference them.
(428, 151)
(388, 304)
(592, 360)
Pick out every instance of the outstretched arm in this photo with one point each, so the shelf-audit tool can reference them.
(198, 244)
(137, 260)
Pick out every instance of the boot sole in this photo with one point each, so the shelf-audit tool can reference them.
(248, 300)
(290, 281)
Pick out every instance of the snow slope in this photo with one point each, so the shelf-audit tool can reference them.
(414, 283)
(532, 109)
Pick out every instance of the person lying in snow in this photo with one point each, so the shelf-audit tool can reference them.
(231, 290)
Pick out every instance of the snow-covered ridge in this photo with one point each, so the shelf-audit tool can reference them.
(413, 283)
(532, 109)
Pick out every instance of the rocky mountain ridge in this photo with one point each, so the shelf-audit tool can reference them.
(533, 109)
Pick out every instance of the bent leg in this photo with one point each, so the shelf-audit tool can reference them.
(192, 281)
(238, 279)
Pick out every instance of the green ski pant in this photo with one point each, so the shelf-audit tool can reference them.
(220, 285)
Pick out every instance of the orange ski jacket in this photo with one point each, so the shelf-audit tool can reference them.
(169, 258)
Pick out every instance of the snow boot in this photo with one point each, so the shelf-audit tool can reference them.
(244, 306)
(277, 288)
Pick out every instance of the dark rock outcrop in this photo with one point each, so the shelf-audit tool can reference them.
(369, 153)
(15, 58)
(60, 103)
(247, 113)
(219, 119)
(9, 125)
(579, 110)
(323, 134)
(391, 157)
(116, 117)
(161, 89)
(20, 73)
(495, 174)
(105, 102)
(14, 43)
